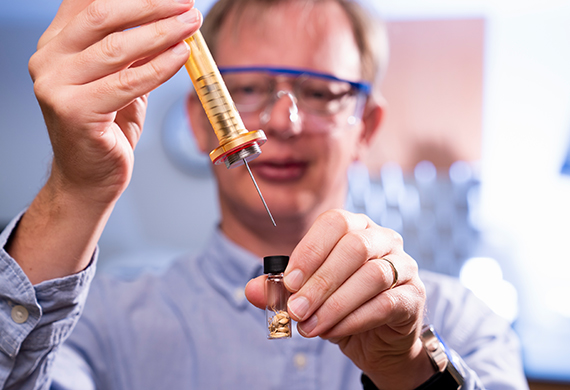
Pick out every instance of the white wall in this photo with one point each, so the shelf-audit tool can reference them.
(526, 138)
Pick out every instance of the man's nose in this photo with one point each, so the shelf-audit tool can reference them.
(281, 116)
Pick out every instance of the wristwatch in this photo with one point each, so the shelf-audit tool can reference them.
(447, 377)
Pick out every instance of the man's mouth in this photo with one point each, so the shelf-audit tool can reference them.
(279, 171)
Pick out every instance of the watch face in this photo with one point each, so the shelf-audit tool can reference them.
(179, 143)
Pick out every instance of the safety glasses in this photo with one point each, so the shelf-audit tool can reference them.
(315, 95)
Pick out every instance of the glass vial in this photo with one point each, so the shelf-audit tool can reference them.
(276, 315)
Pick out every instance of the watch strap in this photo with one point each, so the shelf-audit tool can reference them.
(440, 381)
(367, 383)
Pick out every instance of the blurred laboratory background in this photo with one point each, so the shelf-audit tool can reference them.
(472, 166)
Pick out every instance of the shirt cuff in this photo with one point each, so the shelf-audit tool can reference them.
(39, 316)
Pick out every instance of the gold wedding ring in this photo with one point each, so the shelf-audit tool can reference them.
(394, 273)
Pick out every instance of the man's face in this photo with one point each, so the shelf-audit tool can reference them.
(300, 172)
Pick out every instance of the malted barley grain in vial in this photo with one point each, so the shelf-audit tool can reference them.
(276, 315)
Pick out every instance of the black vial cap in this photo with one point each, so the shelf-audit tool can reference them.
(275, 264)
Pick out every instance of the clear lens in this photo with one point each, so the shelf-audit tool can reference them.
(327, 97)
(250, 91)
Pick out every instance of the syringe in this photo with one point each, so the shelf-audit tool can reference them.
(237, 144)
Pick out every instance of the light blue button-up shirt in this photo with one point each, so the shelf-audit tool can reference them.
(190, 327)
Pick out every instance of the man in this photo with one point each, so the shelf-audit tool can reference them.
(358, 298)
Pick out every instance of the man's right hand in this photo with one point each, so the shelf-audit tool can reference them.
(93, 70)
(95, 65)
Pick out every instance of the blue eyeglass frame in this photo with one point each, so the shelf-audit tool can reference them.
(360, 86)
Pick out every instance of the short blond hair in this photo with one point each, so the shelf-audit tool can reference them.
(369, 32)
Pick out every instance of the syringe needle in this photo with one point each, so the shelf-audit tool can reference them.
(258, 191)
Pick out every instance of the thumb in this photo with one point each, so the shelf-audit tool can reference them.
(255, 291)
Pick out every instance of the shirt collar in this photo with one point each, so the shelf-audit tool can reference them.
(228, 267)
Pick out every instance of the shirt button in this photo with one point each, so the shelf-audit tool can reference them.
(300, 360)
(239, 294)
(19, 314)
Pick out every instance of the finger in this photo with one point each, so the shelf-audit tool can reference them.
(67, 10)
(318, 243)
(120, 89)
(352, 251)
(255, 291)
(120, 50)
(60, 62)
(131, 119)
(103, 17)
(371, 279)
(394, 313)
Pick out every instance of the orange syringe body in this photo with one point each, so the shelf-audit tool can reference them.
(236, 142)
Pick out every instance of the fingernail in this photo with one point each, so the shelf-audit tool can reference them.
(298, 306)
(191, 16)
(308, 326)
(294, 280)
(181, 48)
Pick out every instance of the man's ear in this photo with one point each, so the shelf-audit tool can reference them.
(372, 119)
(199, 122)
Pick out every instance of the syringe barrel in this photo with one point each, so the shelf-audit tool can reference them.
(219, 106)
(212, 91)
